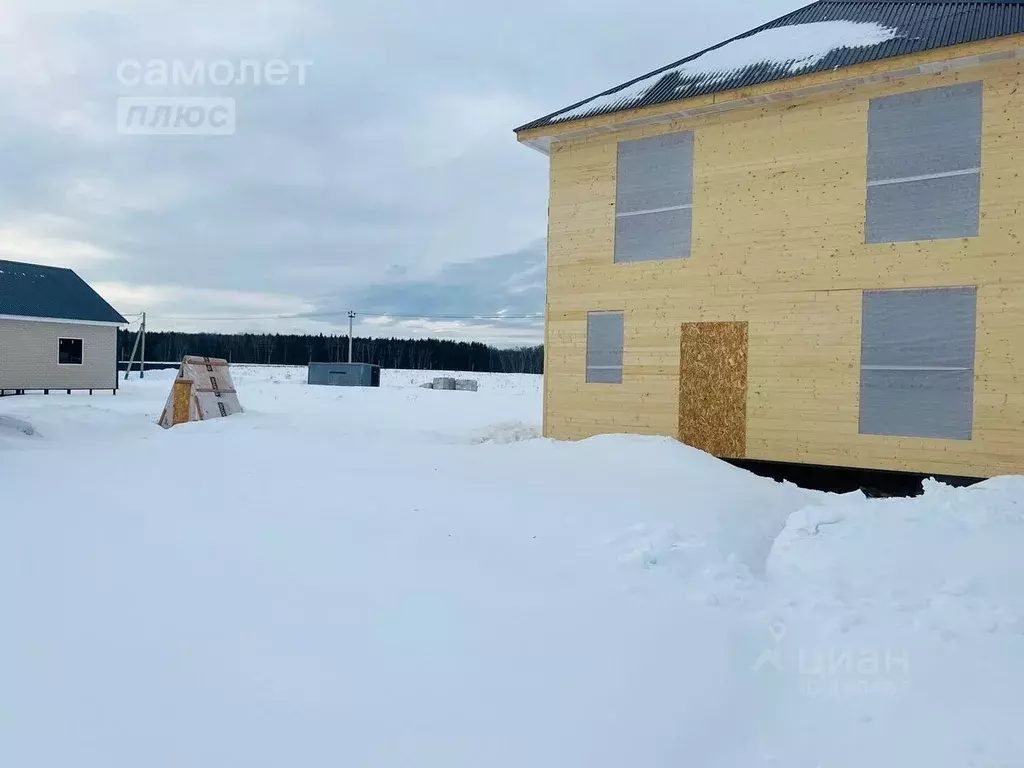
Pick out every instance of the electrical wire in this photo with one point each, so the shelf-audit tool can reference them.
(362, 313)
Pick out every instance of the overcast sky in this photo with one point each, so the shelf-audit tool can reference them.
(389, 182)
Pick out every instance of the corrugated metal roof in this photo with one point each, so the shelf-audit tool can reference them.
(32, 290)
(920, 26)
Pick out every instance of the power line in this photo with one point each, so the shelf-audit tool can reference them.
(361, 312)
(534, 316)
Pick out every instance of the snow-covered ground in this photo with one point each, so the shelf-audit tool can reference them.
(403, 577)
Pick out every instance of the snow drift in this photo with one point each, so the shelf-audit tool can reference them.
(397, 577)
(10, 426)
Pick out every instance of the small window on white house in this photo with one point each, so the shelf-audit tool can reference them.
(69, 351)
(605, 334)
(654, 198)
(917, 363)
(924, 165)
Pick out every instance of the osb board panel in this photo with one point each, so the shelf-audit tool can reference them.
(779, 243)
(713, 388)
(182, 398)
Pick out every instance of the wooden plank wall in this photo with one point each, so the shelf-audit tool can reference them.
(779, 208)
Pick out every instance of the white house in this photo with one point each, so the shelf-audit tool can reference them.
(55, 331)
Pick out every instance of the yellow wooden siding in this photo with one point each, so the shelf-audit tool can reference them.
(778, 241)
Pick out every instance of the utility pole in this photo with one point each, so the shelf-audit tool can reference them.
(142, 358)
(135, 347)
(351, 316)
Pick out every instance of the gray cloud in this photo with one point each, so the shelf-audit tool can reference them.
(511, 283)
(390, 180)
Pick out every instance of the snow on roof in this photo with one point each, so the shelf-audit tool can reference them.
(792, 48)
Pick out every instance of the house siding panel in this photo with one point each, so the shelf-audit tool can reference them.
(28, 356)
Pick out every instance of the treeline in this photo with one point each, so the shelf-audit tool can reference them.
(430, 354)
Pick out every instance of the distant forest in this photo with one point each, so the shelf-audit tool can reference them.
(429, 354)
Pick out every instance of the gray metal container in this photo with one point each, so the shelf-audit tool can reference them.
(344, 374)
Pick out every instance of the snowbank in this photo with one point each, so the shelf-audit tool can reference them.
(12, 426)
(398, 576)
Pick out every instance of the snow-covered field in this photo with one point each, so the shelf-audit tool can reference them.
(402, 577)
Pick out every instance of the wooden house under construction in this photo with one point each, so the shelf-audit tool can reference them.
(805, 244)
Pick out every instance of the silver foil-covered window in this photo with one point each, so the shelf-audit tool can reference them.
(605, 335)
(924, 165)
(654, 198)
(917, 363)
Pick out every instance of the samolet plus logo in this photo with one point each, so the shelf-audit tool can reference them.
(157, 114)
(176, 115)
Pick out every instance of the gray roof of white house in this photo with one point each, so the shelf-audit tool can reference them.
(33, 290)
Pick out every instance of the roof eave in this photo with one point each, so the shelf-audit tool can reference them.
(68, 320)
(965, 56)
(541, 143)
